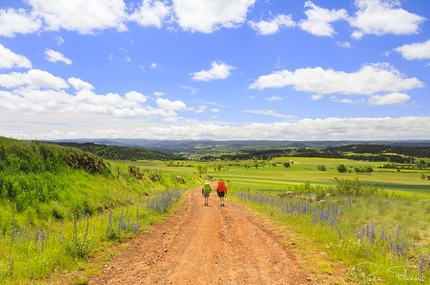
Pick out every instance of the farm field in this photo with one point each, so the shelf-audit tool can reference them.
(301, 170)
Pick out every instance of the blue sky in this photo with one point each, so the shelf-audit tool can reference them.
(215, 69)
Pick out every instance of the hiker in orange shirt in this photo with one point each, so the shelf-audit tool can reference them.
(221, 190)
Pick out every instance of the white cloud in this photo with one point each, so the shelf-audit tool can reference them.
(379, 17)
(81, 16)
(268, 113)
(77, 126)
(34, 78)
(166, 104)
(305, 129)
(218, 71)
(9, 59)
(14, 22)
(79, 84)
(210, 15)
(370, 79)
(274, 98)
(316, 97)
(201, 108)
(344, 101)
(55, 56)
(319, 19)
(134, 96)
(415, 50)
(389, 99)
(344, 44)
(159, 94)
(151, 13)
(272, 26)
(192, 90)
(154, 65)
(71, 107)
(59, 40)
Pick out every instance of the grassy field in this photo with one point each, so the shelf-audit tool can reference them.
(274, 176)
(380, 234)
(63, 205)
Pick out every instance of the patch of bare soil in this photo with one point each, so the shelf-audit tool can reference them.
(207, 245)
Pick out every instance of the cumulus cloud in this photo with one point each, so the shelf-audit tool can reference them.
(134, 96)
(55, 56)
(71, 107)
(166, 104)
(79, 84)
(82, 16)
(210, 15)
(34, 78)
(370, 79)
(319, 19)
(379, 17)
(272, 26)
(415, 50)
(306, 129)
(389, 99)
(151, 13)
(14, 22)
(218, 71)
(9, 59)
(360, 128)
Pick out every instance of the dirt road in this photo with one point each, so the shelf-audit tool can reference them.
(206, 245)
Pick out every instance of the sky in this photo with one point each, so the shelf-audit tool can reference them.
(215, 69)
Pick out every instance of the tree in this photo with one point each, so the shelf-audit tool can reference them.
(322, 167)
(202, 169)
(287, 164)
(341, 168)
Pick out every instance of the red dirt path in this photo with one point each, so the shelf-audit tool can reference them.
(207, 245)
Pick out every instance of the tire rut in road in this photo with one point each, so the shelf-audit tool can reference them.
(206, 245)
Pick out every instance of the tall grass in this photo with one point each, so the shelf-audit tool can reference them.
(383, 238)
(60, 206)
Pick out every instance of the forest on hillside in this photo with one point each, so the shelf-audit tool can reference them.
(121, 152)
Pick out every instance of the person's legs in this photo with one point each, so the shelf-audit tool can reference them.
(221, 198)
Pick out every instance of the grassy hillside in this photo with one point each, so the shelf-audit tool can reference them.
(121, 152)
(62, 204)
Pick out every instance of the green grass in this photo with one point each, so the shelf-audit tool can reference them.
(41, 197)
(60, 206)
(400, 226)
(303, 169)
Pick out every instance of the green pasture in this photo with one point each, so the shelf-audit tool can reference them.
(274, 176)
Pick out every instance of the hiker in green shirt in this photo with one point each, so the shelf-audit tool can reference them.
(205, 191)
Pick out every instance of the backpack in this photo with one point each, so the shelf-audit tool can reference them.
(221, 187)
(206, 189)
